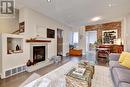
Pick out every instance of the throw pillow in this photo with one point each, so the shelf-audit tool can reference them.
(123, 56)
(126, 62)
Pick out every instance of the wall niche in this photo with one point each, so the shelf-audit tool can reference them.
(14, 45)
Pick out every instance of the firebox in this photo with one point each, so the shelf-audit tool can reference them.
(38, 54)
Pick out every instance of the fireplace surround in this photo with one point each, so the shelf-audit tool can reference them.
(38, 54)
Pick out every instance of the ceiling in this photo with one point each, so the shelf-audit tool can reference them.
(76, 13)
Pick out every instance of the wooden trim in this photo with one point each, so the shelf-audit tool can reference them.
(29, 41)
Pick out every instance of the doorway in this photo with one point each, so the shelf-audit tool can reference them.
(59, 42)
(91, 38)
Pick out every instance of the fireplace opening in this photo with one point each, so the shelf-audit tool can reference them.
(38, 54)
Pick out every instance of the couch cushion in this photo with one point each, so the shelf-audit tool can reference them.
(114, 56)
(124, 84)
(121, 75)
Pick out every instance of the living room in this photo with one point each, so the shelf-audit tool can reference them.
(42, 41)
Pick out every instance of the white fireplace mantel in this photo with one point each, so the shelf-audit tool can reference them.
(38, 44)
(39, 41)
(42, 63)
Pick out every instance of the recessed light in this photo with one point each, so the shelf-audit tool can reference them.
(49, 1)
(96, 19)
(110, 5)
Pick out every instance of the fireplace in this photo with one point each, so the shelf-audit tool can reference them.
(38, 54)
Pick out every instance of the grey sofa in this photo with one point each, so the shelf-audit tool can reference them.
(120, 74)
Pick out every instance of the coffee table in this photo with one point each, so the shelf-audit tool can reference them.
(80, 81)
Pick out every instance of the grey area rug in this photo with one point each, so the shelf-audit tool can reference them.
(102, 77)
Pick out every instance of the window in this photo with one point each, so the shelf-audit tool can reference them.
(75, 37)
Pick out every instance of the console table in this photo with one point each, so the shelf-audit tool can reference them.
(75, 52)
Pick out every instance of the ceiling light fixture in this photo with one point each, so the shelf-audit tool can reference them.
(96, 19)
(49, 1)
(110, 5)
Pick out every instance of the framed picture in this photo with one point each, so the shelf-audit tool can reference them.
(109, 36)
(50, 33)
(21, 27)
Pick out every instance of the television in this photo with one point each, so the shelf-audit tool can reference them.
(50, 33)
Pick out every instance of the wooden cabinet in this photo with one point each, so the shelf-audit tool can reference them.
(117, 48)
(113, 48)
(75, 52)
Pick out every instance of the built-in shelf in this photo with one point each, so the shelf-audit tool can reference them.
(30, 41)
(12, 51)
(15, 52)
(14, 45)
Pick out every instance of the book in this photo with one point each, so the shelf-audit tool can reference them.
(79, 71)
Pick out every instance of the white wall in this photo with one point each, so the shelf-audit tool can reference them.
(82, 39)
(0, 54)
(9, 25)
(10, 61)
(34, 19)
(126, 32)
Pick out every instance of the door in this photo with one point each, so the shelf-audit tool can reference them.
(91, 38)
(59, 42)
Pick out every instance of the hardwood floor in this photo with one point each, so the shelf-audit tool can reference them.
(16, 80)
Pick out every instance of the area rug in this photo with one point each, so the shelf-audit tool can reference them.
(101, 78)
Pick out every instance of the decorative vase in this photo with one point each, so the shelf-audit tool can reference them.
(17, 48)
